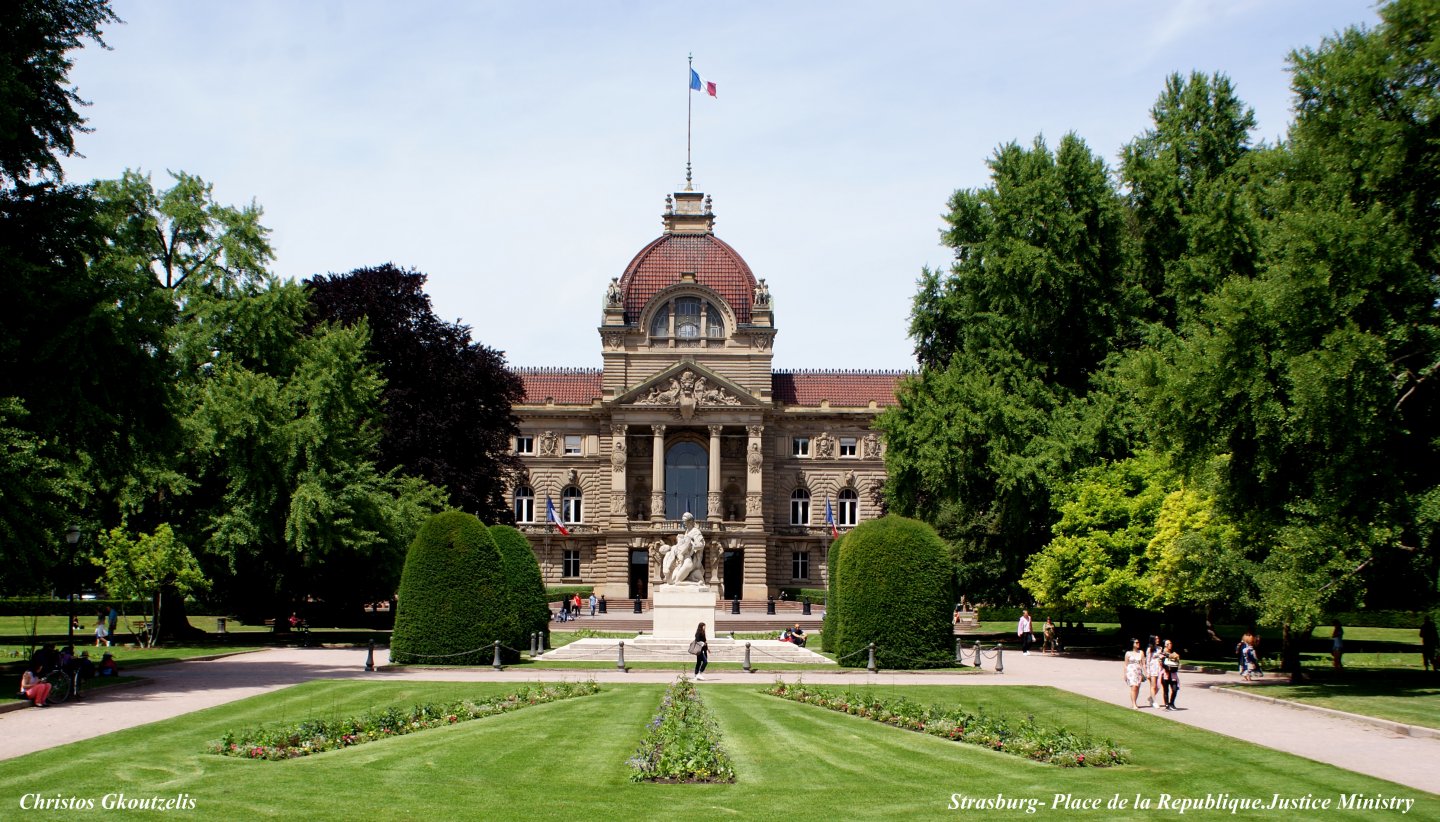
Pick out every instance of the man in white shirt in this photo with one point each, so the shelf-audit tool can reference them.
(1022, 630)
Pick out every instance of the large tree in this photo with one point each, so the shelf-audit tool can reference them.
(1314, 377)
(38, 106)
(1008, 341)
(447, 399)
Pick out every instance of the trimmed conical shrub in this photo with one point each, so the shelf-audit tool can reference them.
(528, 605)
(893, 583)
(452, 595)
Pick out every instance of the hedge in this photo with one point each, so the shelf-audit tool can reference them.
(48, 606)
(554, 593)
(894, 586)
(527, 607)
(452, 594)
(830, 628)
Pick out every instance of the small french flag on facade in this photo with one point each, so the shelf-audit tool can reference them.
(830, 520)
(697, 84)
(553, 517)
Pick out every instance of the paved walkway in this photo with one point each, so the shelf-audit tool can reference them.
(190, 686)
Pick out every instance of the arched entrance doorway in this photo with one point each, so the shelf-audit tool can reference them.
(687, 480)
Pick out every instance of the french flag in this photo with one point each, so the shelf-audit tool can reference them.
(696, 84)
(553, 517)
(830, 520)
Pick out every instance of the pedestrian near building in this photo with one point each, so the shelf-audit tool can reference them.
(1023, 631)
(594, 603)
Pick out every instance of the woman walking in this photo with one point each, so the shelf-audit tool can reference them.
(701, 648)
(1134, 659)
(1152, 666)
(1170, 675)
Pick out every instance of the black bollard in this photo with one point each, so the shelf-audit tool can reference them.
(770, 607)
(370, 657)
(805, 608)
(637, 605)
(602, 604)
(735, 605)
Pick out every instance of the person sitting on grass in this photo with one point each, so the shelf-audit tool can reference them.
(33, 688)
(108, 666)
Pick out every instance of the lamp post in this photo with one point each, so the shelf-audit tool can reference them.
(72, 536)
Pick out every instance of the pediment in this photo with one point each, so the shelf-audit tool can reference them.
(687, 386)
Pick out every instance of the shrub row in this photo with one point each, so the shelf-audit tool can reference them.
(553, 593)
(318, 735)
(1056, 746)
(84, 608)
(682, 742)
(817, 595)
(1380, 619)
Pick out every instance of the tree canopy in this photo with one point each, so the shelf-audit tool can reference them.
(447, 400)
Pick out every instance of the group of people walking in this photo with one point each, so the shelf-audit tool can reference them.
(1156, 663)
(571, 606)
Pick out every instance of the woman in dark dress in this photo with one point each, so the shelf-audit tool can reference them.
(702, 657)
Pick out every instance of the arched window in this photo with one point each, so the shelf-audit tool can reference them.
(524, 504)
(849, 504)
(714, 322)
(800, 507)
(571, 510)
(694, 318)
(660, 326)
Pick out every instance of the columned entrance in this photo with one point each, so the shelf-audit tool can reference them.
(687, 486)
(639, 573)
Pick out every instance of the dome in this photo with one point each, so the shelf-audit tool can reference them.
(716, 265)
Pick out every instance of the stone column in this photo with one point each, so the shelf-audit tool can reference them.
(712, 503)
(754, 476)
(657, 475)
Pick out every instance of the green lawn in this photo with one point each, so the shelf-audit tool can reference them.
(1412, 697)
(566, 761)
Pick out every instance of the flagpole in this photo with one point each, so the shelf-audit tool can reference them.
(690, 66)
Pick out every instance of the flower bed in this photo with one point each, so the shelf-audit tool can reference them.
(1056, 746)
(313, 736)
(682, 742)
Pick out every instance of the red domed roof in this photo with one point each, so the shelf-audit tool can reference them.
(717, 266)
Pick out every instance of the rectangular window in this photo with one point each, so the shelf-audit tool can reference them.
(800, 564)
(846, 516)
(847, 446)
(525, 445)
(571, 566)
(800, 447)
(572, 445)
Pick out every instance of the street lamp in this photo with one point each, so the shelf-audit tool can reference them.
(72, 536)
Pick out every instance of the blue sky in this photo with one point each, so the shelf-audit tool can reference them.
(519, 153)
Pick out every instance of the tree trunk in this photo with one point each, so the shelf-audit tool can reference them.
(1290, 653)
(176, 626)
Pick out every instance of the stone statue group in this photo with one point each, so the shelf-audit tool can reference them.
(683, 562)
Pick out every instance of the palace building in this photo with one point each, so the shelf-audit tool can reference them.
(687, 415)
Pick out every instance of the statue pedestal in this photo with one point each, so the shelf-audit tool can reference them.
(679, 608)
